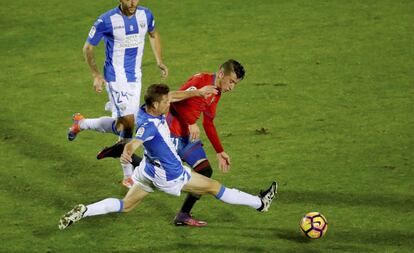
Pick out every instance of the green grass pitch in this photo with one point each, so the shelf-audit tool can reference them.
(332, 82)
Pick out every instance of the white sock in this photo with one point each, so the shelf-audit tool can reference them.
(236, 197)
(102, 124)
(127, 168)
(109, 205)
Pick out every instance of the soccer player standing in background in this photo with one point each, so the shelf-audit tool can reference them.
(123, 30)
(182, 120)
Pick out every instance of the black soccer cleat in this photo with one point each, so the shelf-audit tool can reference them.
(114, 151)
(267, 197)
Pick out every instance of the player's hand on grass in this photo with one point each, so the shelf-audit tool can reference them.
(207, 91)
(98, 83)
(126, 157)
(164, 70)
(194, 132)
(224, 161)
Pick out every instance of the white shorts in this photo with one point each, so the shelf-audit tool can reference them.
(124, 98)
(148, 183)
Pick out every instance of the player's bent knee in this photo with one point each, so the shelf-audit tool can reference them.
(206, 172)
(204, 168)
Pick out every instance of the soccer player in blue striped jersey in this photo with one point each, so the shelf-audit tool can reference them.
(162, 169)
(123, 30)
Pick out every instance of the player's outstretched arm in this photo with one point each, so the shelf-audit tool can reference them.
(98, 80)
(179, 95)
(129, 149)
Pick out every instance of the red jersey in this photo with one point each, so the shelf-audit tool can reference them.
(188, 111)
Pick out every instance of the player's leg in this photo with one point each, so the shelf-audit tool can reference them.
(116, 150)
(125, 126)
(124, 99)
(108, 205)
(194, 155)
(203, 168)
(102, 124)
(200, 184)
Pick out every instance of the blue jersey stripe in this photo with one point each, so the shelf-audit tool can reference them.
(129, 63)
(109, 71)
(131, 27)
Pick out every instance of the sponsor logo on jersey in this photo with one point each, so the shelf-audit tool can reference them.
(130, 41)
(119, 27)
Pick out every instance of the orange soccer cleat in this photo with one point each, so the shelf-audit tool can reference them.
(75, 129)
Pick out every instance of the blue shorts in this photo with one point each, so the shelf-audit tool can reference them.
(190, 152)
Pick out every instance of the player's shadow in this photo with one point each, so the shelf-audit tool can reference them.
(399, 201)
(209, 247)
(403, 203)
(291, 235)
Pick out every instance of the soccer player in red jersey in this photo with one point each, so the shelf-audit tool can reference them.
(182, 120)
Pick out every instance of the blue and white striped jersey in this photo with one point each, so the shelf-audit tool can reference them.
(160, 153)
(124, 42)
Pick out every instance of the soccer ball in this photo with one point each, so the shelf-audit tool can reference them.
(314, 225)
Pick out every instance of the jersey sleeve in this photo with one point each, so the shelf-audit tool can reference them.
(150, 20)
(97, 31)
(210, 129)
(146, 132)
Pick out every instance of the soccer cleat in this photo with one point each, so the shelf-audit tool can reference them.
(267, 197)
(75, 128)
(72, 216)
(127, 182)
(185, 219)
(114, 151)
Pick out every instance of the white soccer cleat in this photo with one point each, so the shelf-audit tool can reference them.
(72, 216)
(267, 197)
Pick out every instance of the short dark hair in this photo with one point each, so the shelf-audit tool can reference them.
(233, 66)
(154, 93)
